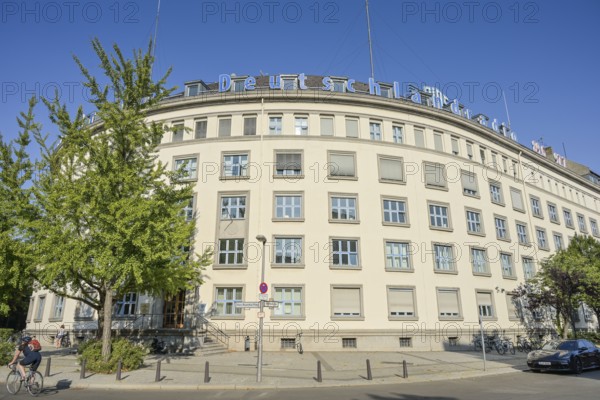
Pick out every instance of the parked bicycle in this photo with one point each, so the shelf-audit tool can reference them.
(523, 344)
(65, 341)
(477, 343)
(34, 381)
(158, 346)
(298, 343)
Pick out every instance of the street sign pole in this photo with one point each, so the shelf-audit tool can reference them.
(482, 340)
(263, 240)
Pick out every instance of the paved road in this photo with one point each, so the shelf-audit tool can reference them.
(518, 385)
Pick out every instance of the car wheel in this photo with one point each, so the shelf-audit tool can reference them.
(577, 366)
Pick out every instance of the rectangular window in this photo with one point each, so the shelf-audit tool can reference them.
(528, 267)
(479, 261)
(558, 241)
(238, 86)
(536, 207)
(226, 299)
(501, 230)
(375, 130)
(506, 263)
(394, 211)
(290, 302)
(512, 304)
(351, 127)
(419, 137)
(494, 160)
(178, 133)
(552, 213)
(343, 208)
(496, 193)
(59, 306)
(327, 126)
(188, 209)
(434, 175)
(448, 303)
(231, 251)
(126, 305)
(341, 165)
(249, 126)
(405, 342)
(40, 308)
(339, 86)
(349, 343)
(346, 301)
(344, 253)
(401, 302)
(581, 223)
(288, 206)
(443, 258)
(275, 125)
(188, 167)
(438, 216)
(455, 145)
(517, 199)
(235, 165)
(485, 305)
(470, 150)
(397, 256)
(201, 128)
(522, 234)
(469, 184)
(504, 164)
(568, 218)
(30, 308)
(224, 127)
(287, 164)
(397, 134)
(474, 222)
(482, 155)
(288, 250)
(438, 141)
(301, 126)
(594, 227)
(391, 169)
(83, 310)
(540, 233)
(233, 207)
(289, 83)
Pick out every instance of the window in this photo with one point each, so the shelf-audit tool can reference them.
(289, 83)
(235, 165)
(434, 176)
(201, 128)
(443, 258)
(30, 308)
(448, 303)
(479, 261)
(231, 251)
(506, 263)
(327, 126)
(438, 141)
(301, 126)
(346, 302)
(341, 165)
(288, 250)
(349, 343)
(513, 306)
(496, 193)
(339, 86)
(288, 206)
(419, 137)
(40, 308)
(401, 303)
(188, 209)
(59, 306)
(397, 256)
(343, 208)
(581, 223)
(536, 207)
(558, 241)
(474, 224)
(178, 132)
(238, 86)
(352, 127)
(344, 253)
(224, 127)
(528, 267)
(517, 199)
(233, 207)
(405, 342)
(287, 164)
(485, 305)
(126, 305)
(594, 226)
(386, 91)
(226, 299)
(501, 230)
(522, 233)
(288, 343)
(504, 164)
(494, 160)
(394, 212)
(275, 125)
(249, 126)
(391, 169)
(290, 302)
(469, 184)
(540, 234)
(188, 167)
(482, 154)
(568, 218)
(375, 130)
(83, 310)
(455, 145)
(552, 213)
(397, 134)
(470, 150)
(439, 217)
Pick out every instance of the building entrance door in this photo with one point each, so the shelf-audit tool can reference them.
(173, 311)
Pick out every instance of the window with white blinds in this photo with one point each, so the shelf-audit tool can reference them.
(327, 126)
(288, 164)
(438, 142)
(391, 169)
(434, 175)
(401, 302)
(484, 303)
(351, 127)
(341, 165)
(517, 199)
(448, 304)
(200, 132)
(513, 310)
(346, 301)
(455, 149)
(249, 126)
(469, 183)
(224, 127)
(419, 138)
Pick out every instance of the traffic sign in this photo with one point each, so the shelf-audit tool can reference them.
(263, 296)
(273, 304)
(247, 304)
(263, 287)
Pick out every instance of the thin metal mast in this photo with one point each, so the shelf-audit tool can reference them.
(506, 107)
(155, 29)
(370, 44)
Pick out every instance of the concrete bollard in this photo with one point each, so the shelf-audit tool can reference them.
(119, 366)
(369, 375)
(157, 378)
(206, 373)
(82, 372)
(404, 369)
(47, 374)
(319, 376)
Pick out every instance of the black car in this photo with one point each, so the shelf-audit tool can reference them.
(565, 355)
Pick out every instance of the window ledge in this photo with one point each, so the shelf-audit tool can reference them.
(342, 178)
(412, 318)
(444, 189)
(288, 318)
(459, 318)
(230, 266)
(387, 269)
(344, 221)
(476, 233)
(234, 178)
(287, 219)
(475, 196)
(394, 182)
(511, 277)
(56, 319)
(402, 225)
(229, 317)
(442, 271)
(537, 216)
(519, 210)
(486, 274)
(499, 204)
(293, 266)
(555, 222)
(347, 268)
(290, 177)
(339, 318)
(439, 228)
(504, 239)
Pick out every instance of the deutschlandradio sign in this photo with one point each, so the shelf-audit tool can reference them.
(438, 99)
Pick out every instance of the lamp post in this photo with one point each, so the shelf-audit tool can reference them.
(263, 240)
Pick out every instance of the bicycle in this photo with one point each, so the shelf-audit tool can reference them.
(477, 343)
(298, 344)
(523, 344)
(34, 381)
(65, 341)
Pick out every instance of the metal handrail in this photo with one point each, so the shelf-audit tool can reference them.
(213, 330)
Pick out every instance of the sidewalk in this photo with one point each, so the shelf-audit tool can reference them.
(237, 370)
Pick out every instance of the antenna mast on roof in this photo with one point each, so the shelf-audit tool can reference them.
(370, 44)
(155, 35)
(506, 108)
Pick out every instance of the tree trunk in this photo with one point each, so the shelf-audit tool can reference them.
(106, 329)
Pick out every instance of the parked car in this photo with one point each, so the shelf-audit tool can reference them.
(565, 355)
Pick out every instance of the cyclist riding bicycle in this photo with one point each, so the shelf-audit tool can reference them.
(31, 357)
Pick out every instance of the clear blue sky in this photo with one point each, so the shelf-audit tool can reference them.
(544, 54)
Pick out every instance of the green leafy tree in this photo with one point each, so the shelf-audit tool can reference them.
(16, 211)
(111, 213)
(589, 249)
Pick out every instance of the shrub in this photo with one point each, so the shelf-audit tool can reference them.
(132, 355)
(7, 350)
(5, 334)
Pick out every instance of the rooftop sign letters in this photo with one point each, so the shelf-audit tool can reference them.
(541, 150)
